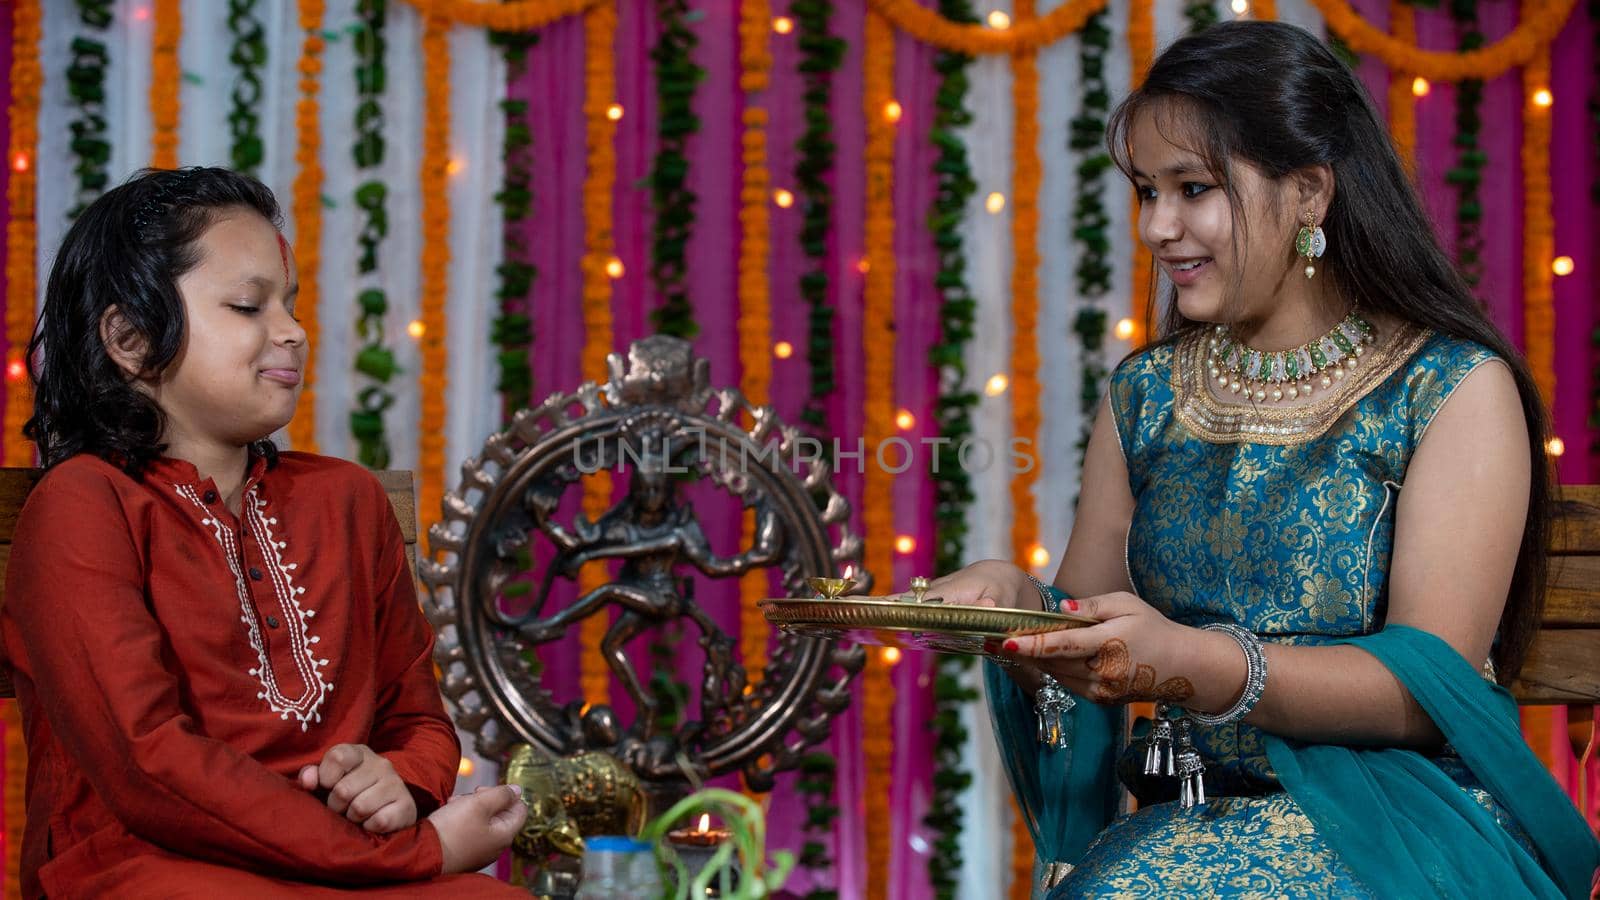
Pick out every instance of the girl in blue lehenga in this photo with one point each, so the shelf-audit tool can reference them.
(1311, 527)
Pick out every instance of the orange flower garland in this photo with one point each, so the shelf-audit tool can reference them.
(1026, 177)
(1264, 10)
(1541, 22)
(307, 207)
(1142, 50)
(519, 15)
(877, 502)
(16, 803)
(930, 27)
(755, 307)
(27, 78)
(165, 79)
(600, 28)
(1538, 236)
(434, 180)
(1402, 102)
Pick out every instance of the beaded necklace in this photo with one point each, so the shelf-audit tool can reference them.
(1292, 373)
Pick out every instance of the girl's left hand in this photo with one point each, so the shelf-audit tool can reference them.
(1134, 653)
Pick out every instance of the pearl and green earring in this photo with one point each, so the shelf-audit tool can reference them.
(1311, 243)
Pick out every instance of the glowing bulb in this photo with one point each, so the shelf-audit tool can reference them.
(892, 111)
(891, 655)
(783, 198)
(1240, 7)
(783, 25)
(416, 329)
(455, 166)
(614, 112)
(465, 769)
(19, 162)
(904, 544)
(999, 20)
(1420, 86)
(141, 13)
(614, 268)
(1543, 97)
(15, 370)
(1038, 556)
(904, 420)
(997, 384)
(995, 202)
(1562, 265)
(1555, 446)
(863, 265)
(783, 349)
(1125, 329)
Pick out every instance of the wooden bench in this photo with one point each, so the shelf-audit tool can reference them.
(16, 483)
(1562, 667)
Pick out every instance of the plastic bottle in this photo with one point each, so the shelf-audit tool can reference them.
(618, 868)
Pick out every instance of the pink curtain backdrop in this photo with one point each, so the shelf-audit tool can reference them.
(554, 235)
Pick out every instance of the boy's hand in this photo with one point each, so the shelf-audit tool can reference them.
(474, 829)
(364, 787)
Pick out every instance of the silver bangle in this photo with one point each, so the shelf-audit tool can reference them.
(1047, 601)
(1255, 678)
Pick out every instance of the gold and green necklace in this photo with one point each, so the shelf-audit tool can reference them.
(1287, 374)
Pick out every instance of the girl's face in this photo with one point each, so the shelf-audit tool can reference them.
(1223, 273)
(237, 375)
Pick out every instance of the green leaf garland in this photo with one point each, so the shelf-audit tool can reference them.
(248, 56)
(1090, 221)
(1467, 174)
(1200, 14)
(374, 359)
(953, 413)
(821, 54)
(86, 87)
(677, 76)
(512, 331)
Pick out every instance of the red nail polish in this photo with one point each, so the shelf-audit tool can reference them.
(1072, 605)
(1011, 646)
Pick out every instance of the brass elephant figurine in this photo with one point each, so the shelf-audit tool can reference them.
(587, 793)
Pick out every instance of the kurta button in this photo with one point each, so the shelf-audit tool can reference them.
(255, 573)
(210, 497)
(272, 621)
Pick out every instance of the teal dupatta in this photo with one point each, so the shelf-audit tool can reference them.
(1395, 819)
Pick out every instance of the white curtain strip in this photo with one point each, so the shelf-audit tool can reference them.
(986, 837)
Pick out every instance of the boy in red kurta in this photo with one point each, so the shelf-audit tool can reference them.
(219, 655)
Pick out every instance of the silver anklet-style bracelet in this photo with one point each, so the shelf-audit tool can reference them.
(1255, 679)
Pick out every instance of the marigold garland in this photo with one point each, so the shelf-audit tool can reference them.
(521, 15)
(166, 31)
(1142, 50)
(1541, 22)
(1538, 218)
(600, 27)
(307, 206)
(1026, 175)
(1402, 102)
(1026, 33)
(433, 179)
(877, 504)
(27, 80)
(755, 306)
(1264, 10)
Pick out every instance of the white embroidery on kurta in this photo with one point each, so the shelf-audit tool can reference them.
(305, 707)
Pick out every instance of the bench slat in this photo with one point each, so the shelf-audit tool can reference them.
(1577, 516)
(1561, 668)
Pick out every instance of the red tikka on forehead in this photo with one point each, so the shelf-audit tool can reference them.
(283, 254)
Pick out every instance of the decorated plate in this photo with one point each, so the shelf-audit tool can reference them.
(926, 625)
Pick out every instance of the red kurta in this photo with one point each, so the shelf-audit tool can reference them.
(177, 665)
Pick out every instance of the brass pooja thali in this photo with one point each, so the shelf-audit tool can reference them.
(908, 621)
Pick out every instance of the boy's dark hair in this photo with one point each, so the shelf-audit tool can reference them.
(127, 249)
(1272, 95)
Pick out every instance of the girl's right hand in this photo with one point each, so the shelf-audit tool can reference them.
(474, 829)
(989, 582)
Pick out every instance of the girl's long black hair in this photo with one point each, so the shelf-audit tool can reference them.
(127, 249)
(1273, 96)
